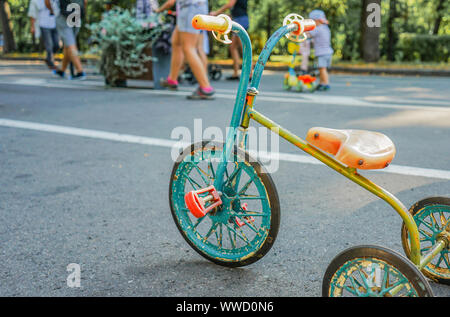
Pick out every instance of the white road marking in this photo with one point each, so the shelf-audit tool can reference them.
(279, 97)
(128, 138)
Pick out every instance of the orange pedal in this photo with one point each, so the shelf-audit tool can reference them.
(200, 206)
(249, 219)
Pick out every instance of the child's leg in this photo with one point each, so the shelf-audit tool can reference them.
(323, 73)
(323, 63)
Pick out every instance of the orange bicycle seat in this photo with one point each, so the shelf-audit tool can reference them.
(354, 148)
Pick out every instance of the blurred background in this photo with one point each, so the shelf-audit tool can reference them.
(412, 31)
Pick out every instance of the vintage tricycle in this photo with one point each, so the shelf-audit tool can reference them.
(226, 205)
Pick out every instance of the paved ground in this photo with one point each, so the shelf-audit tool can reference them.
(103, 204)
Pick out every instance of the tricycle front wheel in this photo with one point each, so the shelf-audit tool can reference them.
(244, 228)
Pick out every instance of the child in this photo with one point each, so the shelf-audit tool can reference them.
(322, 46)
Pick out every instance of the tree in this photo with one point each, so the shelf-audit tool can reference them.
(391, 35)
(370, 30)
(438, 20)
(8, 37)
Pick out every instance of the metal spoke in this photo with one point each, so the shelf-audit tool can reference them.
(192, 182)
(353, 291)
(253, 214)
(211, 230)
(252, 197)
(435, 221)
(201, 172)
(234, 174)
(445, 257)
(243, 237)
(199, 221)
(425, 249)
(427, 235)
(439, 260)
(354, 282)
(246, 186)
(211, 167)
(443, 219)
(364, 278)
(400, 282)
(247, 223)
(426, 224)
(219, 236)
(385, 281)
(232, 241)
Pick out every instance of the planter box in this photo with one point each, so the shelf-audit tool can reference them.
(161, 68)
(156, 70)
(149, 65)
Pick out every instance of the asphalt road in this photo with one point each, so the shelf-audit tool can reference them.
(103, 204)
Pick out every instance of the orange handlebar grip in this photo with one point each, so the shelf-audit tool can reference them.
(210, 23)
(309, 25)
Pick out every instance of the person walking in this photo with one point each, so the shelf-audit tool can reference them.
(68, 34)
(185, 41)
(43, 24)
(144, 8)
(239, 15)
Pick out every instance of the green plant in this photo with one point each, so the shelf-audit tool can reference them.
(122, 42)
(423, 47)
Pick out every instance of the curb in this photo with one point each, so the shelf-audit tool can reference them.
(40, 59)
(335, 69)
(393, 71)
(369, 71)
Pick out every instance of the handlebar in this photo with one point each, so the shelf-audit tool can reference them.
(210, 23)
(308, 25)
(220, 24)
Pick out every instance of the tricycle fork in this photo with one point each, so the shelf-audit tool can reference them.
(232, 136)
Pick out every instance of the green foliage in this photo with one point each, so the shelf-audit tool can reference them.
(21, 25)
(94, 12)
(423, 47)
(122, 42)
(411, 16)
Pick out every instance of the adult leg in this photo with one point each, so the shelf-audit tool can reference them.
(177, 59)
(66, 59)
(201, 50)
(55, 40)
(189, 43)
(47, 39)
(74, 58)
(71, 55)
(234, 51)
(68, 36)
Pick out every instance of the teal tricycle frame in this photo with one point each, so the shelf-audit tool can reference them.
(244, 111)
